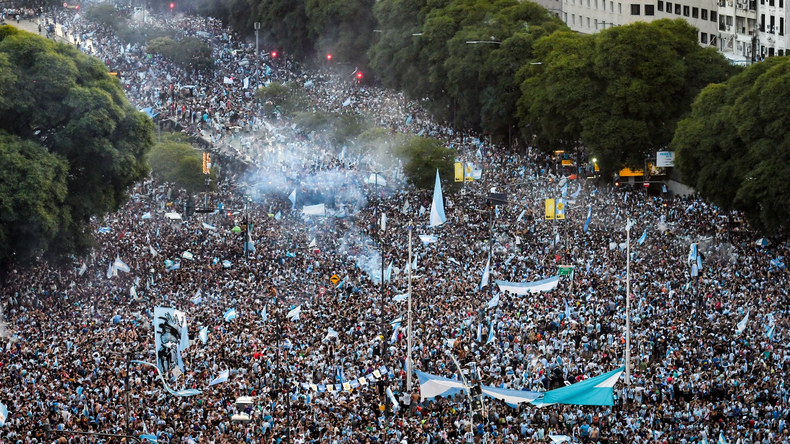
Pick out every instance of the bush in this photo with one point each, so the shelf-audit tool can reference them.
(284, 98)
(188, 53)
(422, 156)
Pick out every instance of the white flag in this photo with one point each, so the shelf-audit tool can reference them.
(383, 222)
(742, 325)
(486, 274)
(437, 206)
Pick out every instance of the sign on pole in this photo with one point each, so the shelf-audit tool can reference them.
(549, 209)
(559, 213)
(335, 279)
(459, 172)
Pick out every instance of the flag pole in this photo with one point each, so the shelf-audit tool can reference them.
(408, 342)
(628, 305)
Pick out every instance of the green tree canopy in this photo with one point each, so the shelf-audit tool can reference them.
(733, 148)
(187, 53)
(422, 156)
(32, 197)
(56, 97)
(284, 98)
(632, 84)
(343, 28)
(177, 162)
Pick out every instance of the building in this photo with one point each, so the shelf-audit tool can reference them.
(730, 26)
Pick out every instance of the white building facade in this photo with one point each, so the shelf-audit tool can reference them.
(732, 26)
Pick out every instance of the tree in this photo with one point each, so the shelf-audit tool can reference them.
(343, 28)
(104, 14)
(177, 162)
(285, 25)
(422, 156)
(394, 55)
(188, 53)
(54, 96)
(732, 147)
(633, 85)
(284, 98)
(32, 197)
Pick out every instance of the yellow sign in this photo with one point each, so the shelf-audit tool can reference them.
(559, 213)
(206, 163)
(459, 172)
(335, 280)
(628, 172)
(567, 162)
(549, 209)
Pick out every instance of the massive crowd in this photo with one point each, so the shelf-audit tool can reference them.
(68, 334)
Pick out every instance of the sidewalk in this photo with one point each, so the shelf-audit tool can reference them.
(32, 27)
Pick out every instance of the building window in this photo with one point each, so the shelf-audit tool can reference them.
(650, 10)
(588, 22)
(596, 24)
(762, 22)
(660, 5)
(773, 24)
(771, 3)
(677, 8)
(611, 6)
(596, 4)
(635, 9)
(686, 11)
(781, 52)
(704, 14)
(713, 16)
(781, 26)
(695, 12)
(703, 38)
(781, 3)
(669, 8)
(620, 8)
(588, 3)
(603, 25)
(573, 19)
(712, 40)
(566, 17)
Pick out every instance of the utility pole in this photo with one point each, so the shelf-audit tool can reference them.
(408, 342)
(257, 27)
(628, 306)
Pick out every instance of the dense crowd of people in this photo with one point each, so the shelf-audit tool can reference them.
(70, 332)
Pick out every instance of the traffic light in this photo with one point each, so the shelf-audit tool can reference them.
(328, 57)
(172, 5)
(359, 75)
(274, 54)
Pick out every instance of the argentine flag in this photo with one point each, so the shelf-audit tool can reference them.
(589, 217)
(722, 439)
(486, 274)
(264, 314)
(293, 315)
(770, 333)
(3, 414)
(490, 335)
(643, 237)
(230, 315)
(120, 265)
(479, 332)
(388, 273)
(203, 335)
(223, 377)
(741, 326)
(437, 206)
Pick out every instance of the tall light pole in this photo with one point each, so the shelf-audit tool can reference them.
(257, 27)
(408, 341)
(628, 305)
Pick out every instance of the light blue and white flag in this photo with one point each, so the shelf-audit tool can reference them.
(521, 216)
(331, 333)
(494, 301)
(230, 315)
(287, 344)
(293, 315)
(264, 314)
(393, 400)
(642, 238)
(188, 256)
(104, 229)
(589, 218)
(479, 332)
(3, 414)
(149, 438)
(770, 333)
(490, 334)
(209, 227)
(567, 310)
(203, 335)
(437, 206)
(692, 253)
(198, 297)
(83, 269)
(397, 320)
(347, 102)
(146, 216)
(120, 265)
(741, 326)
(394, 336)
(564, 190)
(400, 297)
(428, 238)
(722, 439)
(486, 274)
(388, 273)
(292, 198)
(577, 192)
(223, 377)
(278, 216)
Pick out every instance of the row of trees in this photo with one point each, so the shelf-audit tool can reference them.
(70, 147)
(174, 160)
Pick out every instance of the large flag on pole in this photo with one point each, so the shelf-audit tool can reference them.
(437, 206)
(223, 377)
(589, 217)
(741, 326)
(292, 198)
(486, 274)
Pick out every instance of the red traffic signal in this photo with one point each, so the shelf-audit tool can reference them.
(359, 75)
(274, 54)
(172, 5)
(329, 56)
